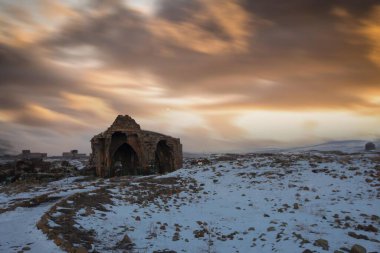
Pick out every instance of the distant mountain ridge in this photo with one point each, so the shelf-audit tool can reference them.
(348, 146)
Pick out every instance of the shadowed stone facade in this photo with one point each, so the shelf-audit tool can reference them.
(125, 149)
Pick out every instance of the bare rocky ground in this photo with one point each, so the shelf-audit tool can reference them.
(37, 170)
(300, 202)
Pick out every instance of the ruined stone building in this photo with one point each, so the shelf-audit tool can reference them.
(125, 149)
(369, 146)
(26, 154)
(73, 154)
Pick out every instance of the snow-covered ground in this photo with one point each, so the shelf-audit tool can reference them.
(18, 225)
(237, 203)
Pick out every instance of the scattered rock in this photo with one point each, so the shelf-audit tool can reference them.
(369, 228)
(320, 170)
(199, 233)
(358, 236)
(322, 243)
(358, 249)
(81, 250)
(175, 237)
(126, 243)
(164, 251)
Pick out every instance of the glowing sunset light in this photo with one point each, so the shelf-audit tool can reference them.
(223, 75)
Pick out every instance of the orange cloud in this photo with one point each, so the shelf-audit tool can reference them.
(371, 29)
(212, 72)
(219, 27)
(35, 115)
(89, 105)
(17, 33)
(22, 25)
(56, 9)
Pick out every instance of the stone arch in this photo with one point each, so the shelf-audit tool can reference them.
(164, 158)
(125, 161)
(117, 139)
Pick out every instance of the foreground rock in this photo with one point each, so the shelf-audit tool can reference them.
(358, 249)
(35, 170)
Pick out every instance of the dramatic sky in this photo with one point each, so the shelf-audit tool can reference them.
(223, 75)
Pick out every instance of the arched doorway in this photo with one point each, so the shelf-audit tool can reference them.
(164, 161)
(117, 139)
(125, 161)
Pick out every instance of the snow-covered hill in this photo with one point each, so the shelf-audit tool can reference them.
(225, 203)
(350, 146)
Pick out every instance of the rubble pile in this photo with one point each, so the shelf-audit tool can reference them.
(36, 170)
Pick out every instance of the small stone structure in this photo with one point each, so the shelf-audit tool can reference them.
(125, 149)
(370, 146)
(26, 154)
(73, 154)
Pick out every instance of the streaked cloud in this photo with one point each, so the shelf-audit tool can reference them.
(92, 106)
(212, 27)
(244, 74)
(371, 28)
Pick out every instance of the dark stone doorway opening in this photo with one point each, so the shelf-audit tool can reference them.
(125, 162)
(163, 158)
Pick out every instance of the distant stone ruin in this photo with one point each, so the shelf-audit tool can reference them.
(370, 146)
(73, 154)
(125, 149)
(26, 154)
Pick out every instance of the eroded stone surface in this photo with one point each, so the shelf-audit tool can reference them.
(125, 149)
